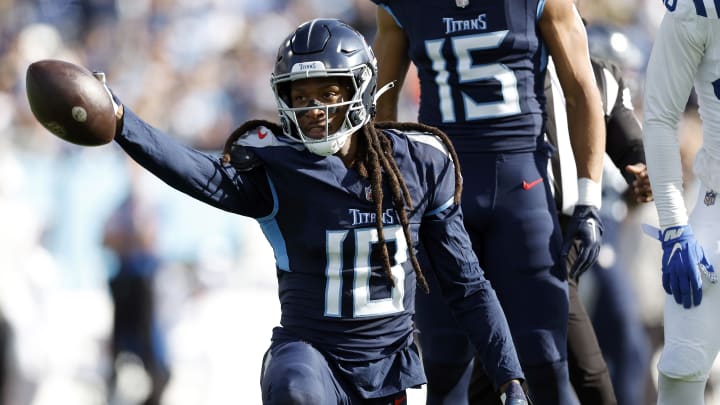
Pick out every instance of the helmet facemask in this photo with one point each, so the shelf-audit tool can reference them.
(356, 114)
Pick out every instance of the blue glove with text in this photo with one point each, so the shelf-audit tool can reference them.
(683, 262)
(583, 239)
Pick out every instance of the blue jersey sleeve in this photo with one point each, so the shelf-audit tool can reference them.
(471, 297)
(198, 174)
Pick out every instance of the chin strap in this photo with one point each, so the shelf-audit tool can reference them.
(383, 89)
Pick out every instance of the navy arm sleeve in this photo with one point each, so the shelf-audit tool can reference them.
(195, 173)
(469, 294)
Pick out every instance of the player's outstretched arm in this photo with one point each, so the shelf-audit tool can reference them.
(391, 47)
(200, 175)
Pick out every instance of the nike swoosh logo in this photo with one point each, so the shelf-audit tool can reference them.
(261, 134)
(528, 186)
(676, 247)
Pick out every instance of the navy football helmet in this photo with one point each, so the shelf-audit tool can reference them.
(326, 48)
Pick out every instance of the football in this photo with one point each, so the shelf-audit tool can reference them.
(70, 102)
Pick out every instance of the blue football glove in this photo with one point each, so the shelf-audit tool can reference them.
(583, 239)
(514, 395)
(683, 262)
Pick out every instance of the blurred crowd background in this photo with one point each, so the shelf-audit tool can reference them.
(82, 227)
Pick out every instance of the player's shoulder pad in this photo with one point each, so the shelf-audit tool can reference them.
(252, 134)
(258, 134)
(416, 132)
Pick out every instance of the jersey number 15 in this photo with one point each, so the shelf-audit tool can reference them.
(467, 73)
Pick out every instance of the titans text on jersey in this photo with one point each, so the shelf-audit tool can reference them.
(475, 24)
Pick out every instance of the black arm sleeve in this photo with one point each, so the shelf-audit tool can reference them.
(624, 135)
(624, 141)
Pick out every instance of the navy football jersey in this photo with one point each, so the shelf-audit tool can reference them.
(478, 68)
(319, 217)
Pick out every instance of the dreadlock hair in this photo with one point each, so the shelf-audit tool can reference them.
(374, 161)
(376, 152)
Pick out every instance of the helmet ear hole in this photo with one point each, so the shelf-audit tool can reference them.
(357, 117)
(283, 91)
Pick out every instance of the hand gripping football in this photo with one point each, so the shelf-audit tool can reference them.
(70, 102)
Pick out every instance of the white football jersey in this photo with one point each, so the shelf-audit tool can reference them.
(686, 53)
